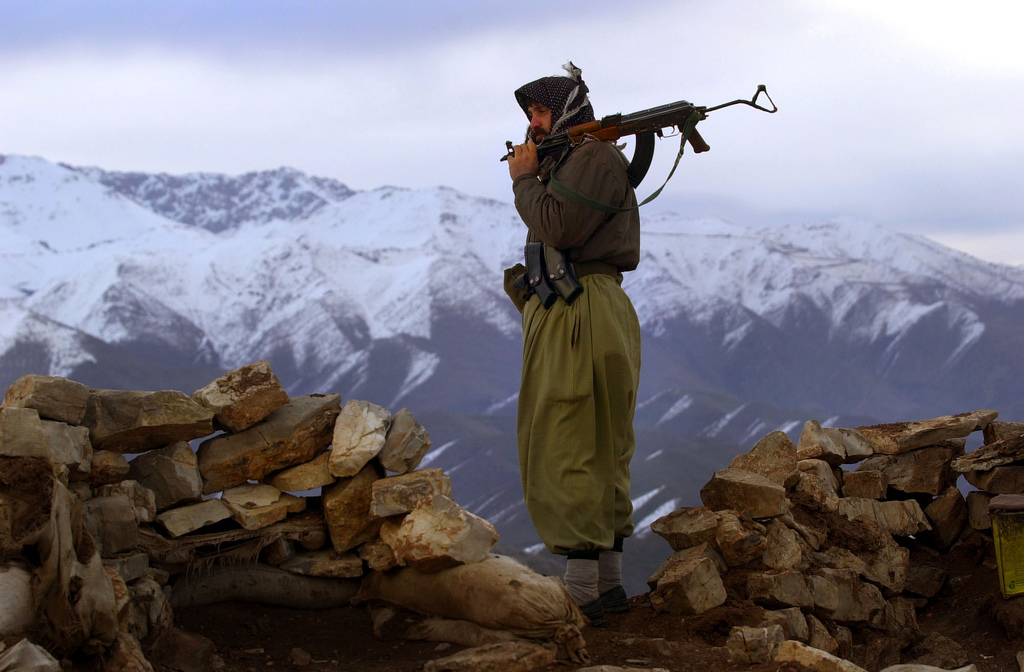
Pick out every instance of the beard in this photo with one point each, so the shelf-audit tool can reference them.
(535, 134)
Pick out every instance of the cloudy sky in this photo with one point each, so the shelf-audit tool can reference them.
(902, 112)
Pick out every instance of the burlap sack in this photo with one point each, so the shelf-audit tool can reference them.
(498, 593)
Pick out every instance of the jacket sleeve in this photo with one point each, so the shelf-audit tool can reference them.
(594, 170)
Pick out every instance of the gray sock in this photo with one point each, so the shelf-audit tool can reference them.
(581, 580)
(609, 571)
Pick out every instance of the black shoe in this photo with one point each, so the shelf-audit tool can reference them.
(614, 601)
(594, 612)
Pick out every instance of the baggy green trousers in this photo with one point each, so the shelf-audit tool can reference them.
(581, 369)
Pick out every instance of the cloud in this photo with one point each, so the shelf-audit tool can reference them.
(884, 115)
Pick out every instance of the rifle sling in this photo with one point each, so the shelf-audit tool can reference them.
(558, 187)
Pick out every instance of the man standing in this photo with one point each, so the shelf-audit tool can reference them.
(581, 358)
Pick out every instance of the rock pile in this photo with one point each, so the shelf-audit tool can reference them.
(832, 555)
(107, 514)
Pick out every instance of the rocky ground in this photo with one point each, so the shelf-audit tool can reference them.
(253, 637)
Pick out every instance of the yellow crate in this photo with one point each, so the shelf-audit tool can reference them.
(1008, 535)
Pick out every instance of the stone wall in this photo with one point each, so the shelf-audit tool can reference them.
(832, 537)
(105, 487)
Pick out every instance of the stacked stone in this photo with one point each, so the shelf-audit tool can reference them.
(997, 468)
(300, 483)
(825, 548)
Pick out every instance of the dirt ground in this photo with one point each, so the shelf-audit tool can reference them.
(252, 637)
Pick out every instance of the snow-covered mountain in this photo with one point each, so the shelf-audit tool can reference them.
(396, 295)
(393, 295)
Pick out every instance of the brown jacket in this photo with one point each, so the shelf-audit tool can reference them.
(596, 170)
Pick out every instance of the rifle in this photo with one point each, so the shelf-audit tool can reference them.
(645, 124)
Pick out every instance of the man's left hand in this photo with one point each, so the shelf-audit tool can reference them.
(524, 160)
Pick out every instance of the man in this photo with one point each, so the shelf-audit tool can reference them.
(581, 360)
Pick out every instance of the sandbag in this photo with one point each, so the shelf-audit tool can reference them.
(262, 584)
(498, 593)
(17, 608)
(917, 667)
(463, 633)
(28, 657)
(78, 608)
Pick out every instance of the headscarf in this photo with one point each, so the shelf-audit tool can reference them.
(565, 96)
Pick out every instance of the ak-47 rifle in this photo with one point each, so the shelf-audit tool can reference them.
(645, 124)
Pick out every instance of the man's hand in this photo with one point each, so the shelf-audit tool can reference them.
(524, 160)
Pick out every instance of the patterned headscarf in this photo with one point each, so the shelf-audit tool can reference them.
(565, 96)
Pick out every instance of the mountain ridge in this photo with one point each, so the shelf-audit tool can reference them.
(395, 296)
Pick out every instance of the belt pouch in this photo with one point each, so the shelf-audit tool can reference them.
(560, 272)
(537, 275)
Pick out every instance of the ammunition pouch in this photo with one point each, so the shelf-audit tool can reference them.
(549, 275)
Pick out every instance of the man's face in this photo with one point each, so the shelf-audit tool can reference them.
(540, 121)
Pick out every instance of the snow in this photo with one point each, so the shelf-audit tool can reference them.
(678, 407)
(712, 430)
(320, 271)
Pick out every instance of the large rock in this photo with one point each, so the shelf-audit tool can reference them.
(923, 470)
(820, 638)
(903, 437)
(106, 467)
(439, 534)
(306, 476)
(405, 445)
(824, 594)
(687, 583)
(774, 457)
(900, 518)
(1003, 480)
(255, 506)
(740, 540)
(359, 434)
(750, 645)
(782, 549)
(815, 486)
(865, 483)
(54, 398)
(347, 509)
(241, 398)
(977, 510)
(686, 527)
(997, 431)
(897, 619)
(834, 445)
(791, 620)
(293, 434)
(134, 422)
(948, 516)
(68, 445)
(21, 433)
(781, 589)
(142, 498)
(886, 566)
(377, 555)
(938, 651)
(858, 600)
(172, 473)
(744, 491)
(192, 517)
(401, 494)
(1004, 451)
